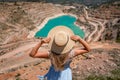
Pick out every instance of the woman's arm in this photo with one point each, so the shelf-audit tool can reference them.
(84, 43)
(40, 54)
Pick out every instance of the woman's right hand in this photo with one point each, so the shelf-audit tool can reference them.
(46, 40)
(75, 37)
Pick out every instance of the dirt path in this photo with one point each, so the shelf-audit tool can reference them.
(19, 49)
(97, 24)
(17, 57)
(94, 32)
(102, 28)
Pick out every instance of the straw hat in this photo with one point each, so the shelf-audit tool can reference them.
(60, 40)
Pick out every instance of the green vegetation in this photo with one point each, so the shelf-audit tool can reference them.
(115, 75)
(94, 77)
(17, 76)
(118, 40)
(4, 26)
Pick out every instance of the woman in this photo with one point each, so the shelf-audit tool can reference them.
(61, 41)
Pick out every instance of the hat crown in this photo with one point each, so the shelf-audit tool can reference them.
(61, 38)
(60, 42)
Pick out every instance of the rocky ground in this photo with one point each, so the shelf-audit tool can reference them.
(17, 65)
(19, 20)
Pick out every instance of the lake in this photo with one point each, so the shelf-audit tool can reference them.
(64, 20)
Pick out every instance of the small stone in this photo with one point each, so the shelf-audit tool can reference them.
(91, 57)
(88, 69)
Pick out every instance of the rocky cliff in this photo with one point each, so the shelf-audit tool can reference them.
(98, 23)
(18, 20)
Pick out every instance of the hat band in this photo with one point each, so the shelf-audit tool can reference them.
(55, 53)
(58, 49)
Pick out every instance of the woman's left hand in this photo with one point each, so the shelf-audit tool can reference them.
(46, 40)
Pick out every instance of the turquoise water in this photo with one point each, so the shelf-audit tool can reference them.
(65, 20)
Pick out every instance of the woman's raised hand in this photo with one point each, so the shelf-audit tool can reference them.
(75, 37)
(46, 40)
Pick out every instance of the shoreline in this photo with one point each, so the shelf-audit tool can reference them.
(48, 18)
(32, 33)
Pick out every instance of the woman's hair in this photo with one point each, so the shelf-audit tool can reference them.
(59, 61)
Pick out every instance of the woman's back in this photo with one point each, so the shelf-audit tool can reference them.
(65, 74)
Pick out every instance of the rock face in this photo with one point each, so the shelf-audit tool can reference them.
(85, 2)
(102, 62)
(17, 20)
(98, 23)
(21, 19)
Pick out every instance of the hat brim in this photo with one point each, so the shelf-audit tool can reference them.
(60, 49)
